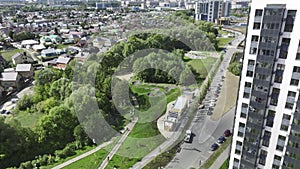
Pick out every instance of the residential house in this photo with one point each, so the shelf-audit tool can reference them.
(81, 56)
(29, 43)
(18, 58)
(62, 62)
(48, 52)
(51, 39)
(10, 80)
(25, 70)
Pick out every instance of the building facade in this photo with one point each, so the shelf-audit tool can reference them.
(212, 10)
(266, 130)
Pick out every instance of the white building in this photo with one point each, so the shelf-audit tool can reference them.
(266, 130)
(212, 10)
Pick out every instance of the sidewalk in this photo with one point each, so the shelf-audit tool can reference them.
(220, 160)
(84, 155)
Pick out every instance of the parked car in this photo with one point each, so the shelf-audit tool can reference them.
(227, 133)
(214, 146)
(14, 100)
(221, 139)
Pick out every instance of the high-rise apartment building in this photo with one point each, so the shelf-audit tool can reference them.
(212, 10)
(267, 120)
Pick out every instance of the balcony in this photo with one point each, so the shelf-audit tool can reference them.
(261, 82)
(247, 164)
(270, 32)
(267, 45)
(295, 127)
(291, 160)
(263, 71)
(259, 94)
(249, 155)
(254, 125)
(297, 115)
(294, 139)
(292, 149)
(265, 58)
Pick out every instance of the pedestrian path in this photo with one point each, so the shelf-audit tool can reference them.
(221, 159)
(118, 145)
(129, 126)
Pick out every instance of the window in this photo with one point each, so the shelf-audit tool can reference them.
(248, 84)
(246, 95)
(270, 118)
(256, 26)
(290, 19)
(280, 67)
(266, 138)
(296, 69)
(254, 38)
(298, 56)
(294, 82)
(268, 39)
(262, 157)
(280, 143)
(249, 74)
(289, 105)
(291, 94)
(251, 62)
(253, 50)
(278, 79)
(283, 54)
(258, 12)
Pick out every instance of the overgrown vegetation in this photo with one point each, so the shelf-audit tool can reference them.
(235, 66)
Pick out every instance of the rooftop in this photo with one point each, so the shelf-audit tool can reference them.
(23, 67)
(9, 76)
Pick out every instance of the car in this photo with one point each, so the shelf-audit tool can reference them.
(188, 136)
(14, 100)
(209, 113)
(214, 146)
(201, 106)
(3, 111)
(221, 139)
(227, 133)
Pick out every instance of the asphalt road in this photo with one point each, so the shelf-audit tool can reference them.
(206, 131)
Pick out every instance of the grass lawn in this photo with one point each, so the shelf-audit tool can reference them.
(202, 66)
(227, 97)
(28, 119)
(225, 165)
(92, 161)
(145, 136)
(215, 155)
(222, 42)
(78, 152)
(7, 54)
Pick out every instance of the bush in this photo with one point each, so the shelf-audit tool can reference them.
(235, 68)
(24, 103)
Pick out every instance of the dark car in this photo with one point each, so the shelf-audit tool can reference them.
(227, 133)
(214, 146)
(221, 139)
